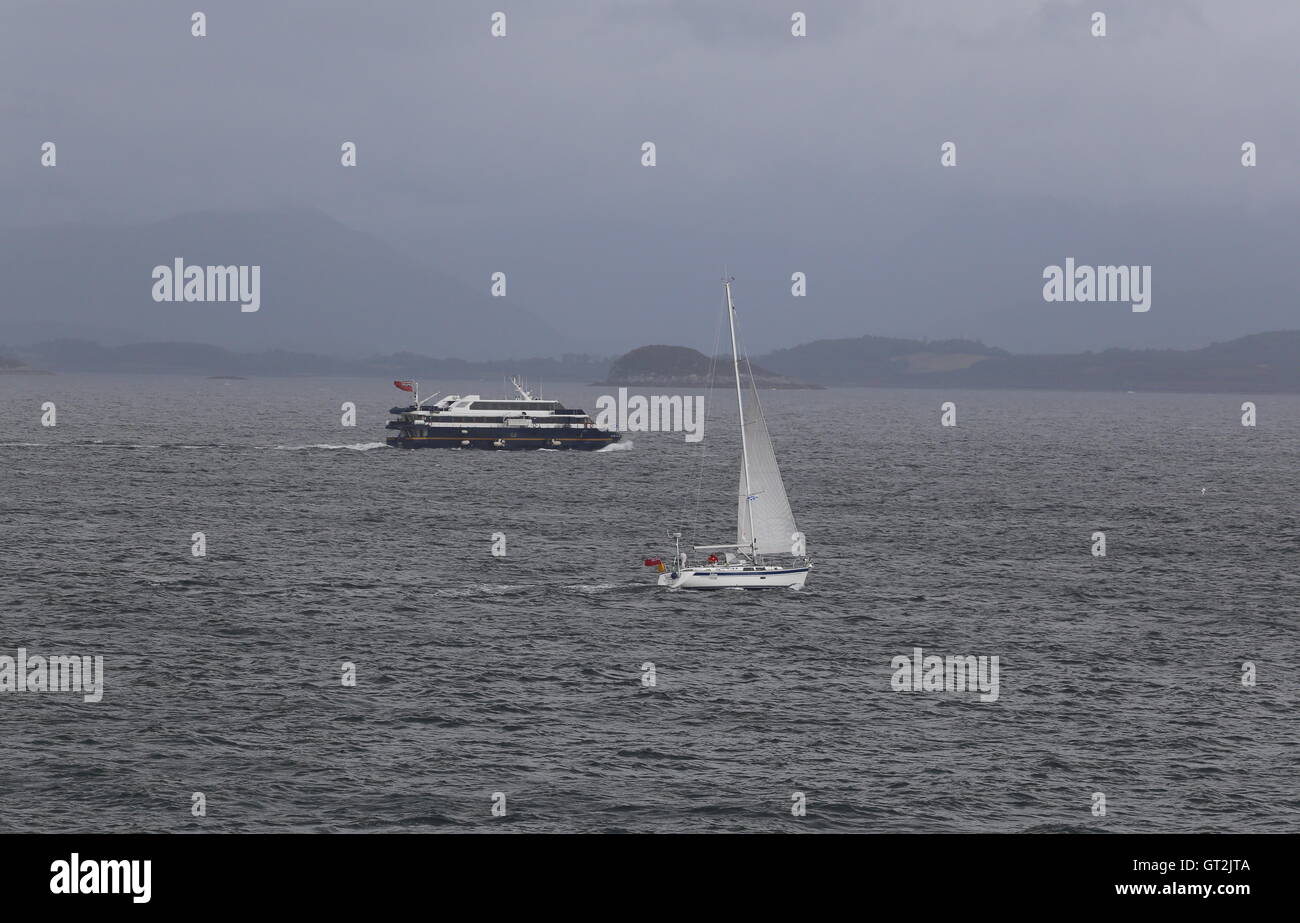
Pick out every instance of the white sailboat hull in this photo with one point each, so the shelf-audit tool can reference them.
(725, 577)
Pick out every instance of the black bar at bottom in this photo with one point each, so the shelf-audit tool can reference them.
(642, 873)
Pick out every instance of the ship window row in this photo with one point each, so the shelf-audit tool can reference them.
(443, 418)
(515, 405)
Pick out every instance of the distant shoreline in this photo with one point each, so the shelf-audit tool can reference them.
(1263, 363)
(721, 385)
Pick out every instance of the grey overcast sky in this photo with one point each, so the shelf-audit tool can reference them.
(775, 154)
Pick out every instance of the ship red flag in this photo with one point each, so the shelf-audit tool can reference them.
(652, 562)
(404, 385)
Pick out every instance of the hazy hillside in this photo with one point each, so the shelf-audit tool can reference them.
(875, 360)
(1260, 362)
(679, 366)
(1264, 362)
(324, 287)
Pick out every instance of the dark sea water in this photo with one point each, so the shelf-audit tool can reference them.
(522, 674)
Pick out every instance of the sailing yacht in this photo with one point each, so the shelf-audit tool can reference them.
(764, 522)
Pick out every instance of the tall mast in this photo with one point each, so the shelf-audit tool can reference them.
(740, 408)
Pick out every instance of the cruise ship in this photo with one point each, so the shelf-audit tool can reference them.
(472, 422)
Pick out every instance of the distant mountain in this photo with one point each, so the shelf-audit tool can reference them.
(324, 288)
(679, 366)
(869, 360)
(1260, 363)
(1264, 362)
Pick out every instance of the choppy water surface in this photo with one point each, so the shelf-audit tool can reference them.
(522, 674)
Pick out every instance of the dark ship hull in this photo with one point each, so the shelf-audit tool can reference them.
(508, 438)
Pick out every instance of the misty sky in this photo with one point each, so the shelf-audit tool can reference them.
(775, 154)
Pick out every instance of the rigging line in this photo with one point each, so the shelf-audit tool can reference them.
(758, 411)
(708, 401)
(753, 385)
(744, 351)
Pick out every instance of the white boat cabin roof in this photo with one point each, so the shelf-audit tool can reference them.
(476, 402)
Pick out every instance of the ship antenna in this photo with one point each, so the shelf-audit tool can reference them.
(523, 392)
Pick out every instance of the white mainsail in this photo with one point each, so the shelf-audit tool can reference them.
(766, 501)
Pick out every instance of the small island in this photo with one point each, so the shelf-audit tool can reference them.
(14, 367)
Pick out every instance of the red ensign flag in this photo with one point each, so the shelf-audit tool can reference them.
(404, 385)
